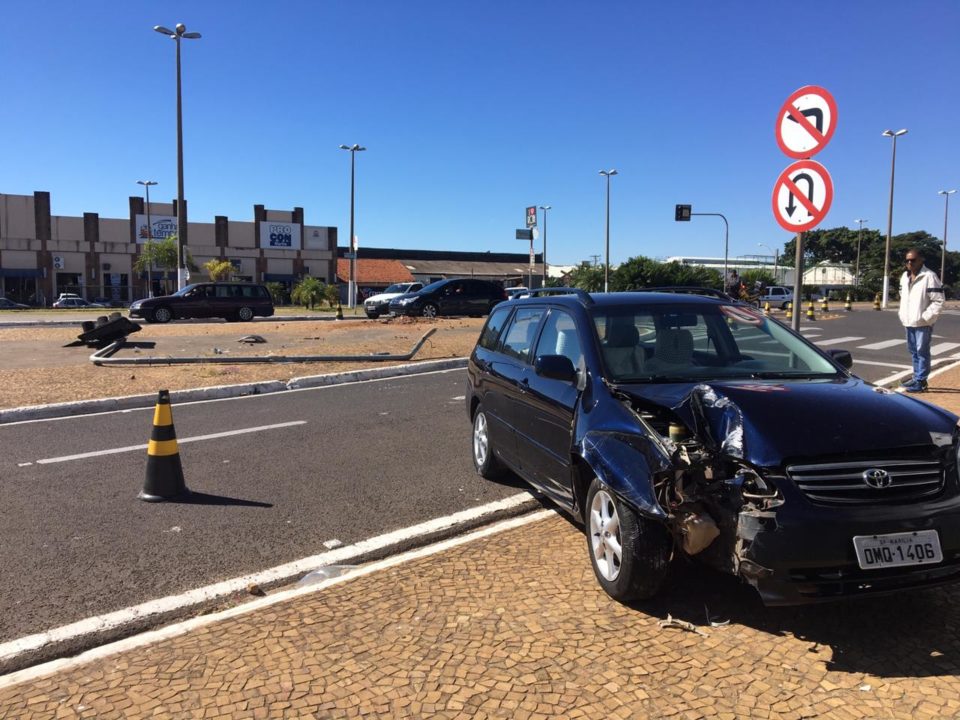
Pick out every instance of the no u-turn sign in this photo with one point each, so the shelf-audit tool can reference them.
(802, 196)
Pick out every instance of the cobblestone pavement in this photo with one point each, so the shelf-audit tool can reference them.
(514, 626)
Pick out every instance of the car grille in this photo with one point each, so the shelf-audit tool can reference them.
(843, 483)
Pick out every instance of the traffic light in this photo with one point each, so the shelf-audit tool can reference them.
(683, 213)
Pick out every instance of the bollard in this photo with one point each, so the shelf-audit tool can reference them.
(164, 477)
(766, 308)
(810, 315)
(848, 306)
(876, 302)
(789, 311)
(825, 304)
(339, 312)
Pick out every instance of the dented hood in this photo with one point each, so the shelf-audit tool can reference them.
(768, 423)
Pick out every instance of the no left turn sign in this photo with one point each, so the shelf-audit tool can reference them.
(806, 122)
(802, 196)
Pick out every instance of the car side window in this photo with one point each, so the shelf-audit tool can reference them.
(521, 333)
(559, 337)
(491, 331)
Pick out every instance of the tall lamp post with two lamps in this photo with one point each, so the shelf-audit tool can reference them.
(886, 254)
(178, 34)
(352, 288)
(606, 265)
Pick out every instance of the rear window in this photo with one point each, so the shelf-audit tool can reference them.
(491, 331)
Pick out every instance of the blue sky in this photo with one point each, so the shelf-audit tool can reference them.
(473, 111)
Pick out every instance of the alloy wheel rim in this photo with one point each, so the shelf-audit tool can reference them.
(605, 541)
(480, 441)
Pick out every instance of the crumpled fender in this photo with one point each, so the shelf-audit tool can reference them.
(623, 459)
(626, 464)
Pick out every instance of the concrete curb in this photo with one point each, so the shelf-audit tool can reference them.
(217, 392)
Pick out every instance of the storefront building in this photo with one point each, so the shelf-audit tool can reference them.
(43, 255)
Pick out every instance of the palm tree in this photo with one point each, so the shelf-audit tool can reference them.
(308, 292)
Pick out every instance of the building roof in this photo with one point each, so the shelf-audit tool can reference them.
(374, 272)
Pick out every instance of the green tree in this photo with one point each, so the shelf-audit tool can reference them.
(308, 292)
(587, 277)
(331, 293)
(642, 272)
(278, 292)
(219, 269)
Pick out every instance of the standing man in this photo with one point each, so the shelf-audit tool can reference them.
(921, 299)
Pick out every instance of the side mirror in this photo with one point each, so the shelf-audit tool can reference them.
(842, 358)
(556, 367)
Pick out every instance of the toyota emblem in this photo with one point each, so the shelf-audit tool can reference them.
(877, 478)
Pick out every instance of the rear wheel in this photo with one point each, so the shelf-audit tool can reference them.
(245, 314)
(629, 553)
(429, 310)
(484, 460)
(162, 315)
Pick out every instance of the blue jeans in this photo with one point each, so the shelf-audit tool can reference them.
(918, 343)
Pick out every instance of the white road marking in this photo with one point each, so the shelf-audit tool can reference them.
(837, 341)
(857, 361)
(942, 348)
(810, 335)
(341, 555)
(180, 441)
(882, 345)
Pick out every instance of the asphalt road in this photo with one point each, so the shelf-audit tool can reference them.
(362, 459)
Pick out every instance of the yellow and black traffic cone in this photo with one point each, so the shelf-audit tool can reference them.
(848, 306)
(339, 312)
(876, 301)
(810, 315)
(766, 308)
(164, 479)
(789, 311)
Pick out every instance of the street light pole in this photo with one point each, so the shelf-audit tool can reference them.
(146, 184)
(179, 33)
(352, 287)
(886, 255)
(606, 266)
(943, 252)
(544, 208)
(856, 276)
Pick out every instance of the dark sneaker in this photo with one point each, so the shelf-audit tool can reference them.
(917, 387)
(908, 381)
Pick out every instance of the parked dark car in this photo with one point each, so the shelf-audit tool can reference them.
(455, 296)
(695, 427)
(8, 304)
(230, 300)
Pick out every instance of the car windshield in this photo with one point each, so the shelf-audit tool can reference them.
(433, 286)
(184, 290)
(397, 288)
(692, 342)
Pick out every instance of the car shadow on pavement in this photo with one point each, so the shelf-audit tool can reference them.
(897, 635)
(199, 498)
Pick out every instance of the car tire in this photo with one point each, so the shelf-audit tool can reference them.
(373, 316)
(429, 310)
(484, 459)
(630, 553)
(245, 314)
(162, 314)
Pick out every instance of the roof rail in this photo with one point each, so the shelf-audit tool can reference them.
(582, 295)
(688, 290)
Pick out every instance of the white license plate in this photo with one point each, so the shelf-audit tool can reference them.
(895, 549)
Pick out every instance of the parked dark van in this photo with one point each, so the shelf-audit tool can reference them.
(455, 296)
(229, 300)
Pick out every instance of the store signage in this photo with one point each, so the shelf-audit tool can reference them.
(280, 235)
(164, 226)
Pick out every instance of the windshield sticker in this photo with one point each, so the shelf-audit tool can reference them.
(742, 315)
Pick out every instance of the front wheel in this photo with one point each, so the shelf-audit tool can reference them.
(245, 314)
(629, 553)
(429, 310)
(162, 315)
(484, 459)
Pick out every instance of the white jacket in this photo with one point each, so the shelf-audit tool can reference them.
(921, 300)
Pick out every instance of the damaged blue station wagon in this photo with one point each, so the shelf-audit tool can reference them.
(687, 425)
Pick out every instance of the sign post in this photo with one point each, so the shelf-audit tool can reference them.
(805, 124)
